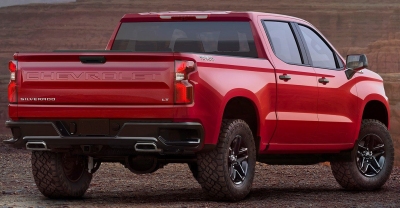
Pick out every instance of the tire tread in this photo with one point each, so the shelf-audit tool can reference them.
(342, 171)
(50, 178)
(211, 174)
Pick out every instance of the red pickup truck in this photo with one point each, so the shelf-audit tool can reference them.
(216, 90)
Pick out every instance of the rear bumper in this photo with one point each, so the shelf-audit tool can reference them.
(166, 138)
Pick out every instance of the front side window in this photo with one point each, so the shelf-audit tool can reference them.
(321, 55)
(283, 42)
(222, 38)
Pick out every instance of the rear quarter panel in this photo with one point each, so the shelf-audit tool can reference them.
(218, 81)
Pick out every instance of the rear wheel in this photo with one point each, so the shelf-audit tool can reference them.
(371, 159)
(227, 172)
(60, 175)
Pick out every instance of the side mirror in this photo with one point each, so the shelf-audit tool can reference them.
(355, 63)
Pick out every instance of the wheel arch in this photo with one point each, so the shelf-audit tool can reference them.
(376, 109)
(246, 108)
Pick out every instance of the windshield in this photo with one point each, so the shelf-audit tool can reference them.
(222, 38)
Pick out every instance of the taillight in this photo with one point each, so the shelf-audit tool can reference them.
(12, 86)
(183, 89)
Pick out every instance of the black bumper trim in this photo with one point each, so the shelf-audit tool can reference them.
(128, 136)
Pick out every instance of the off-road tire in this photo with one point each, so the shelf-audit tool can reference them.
(51, 178)
(213, 167)
(348, 174)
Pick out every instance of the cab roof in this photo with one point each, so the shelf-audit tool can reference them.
(203, 16)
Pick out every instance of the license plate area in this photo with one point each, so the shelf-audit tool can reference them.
(93, 127)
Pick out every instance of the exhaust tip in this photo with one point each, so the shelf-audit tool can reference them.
(36, 146)
(146, 147)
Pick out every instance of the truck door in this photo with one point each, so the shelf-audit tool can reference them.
(297, 90)
(337, 96)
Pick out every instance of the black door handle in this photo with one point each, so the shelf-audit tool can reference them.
(323, 80)
(284, 77)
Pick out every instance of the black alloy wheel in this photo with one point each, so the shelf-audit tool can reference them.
(371, 155)
(238, 160)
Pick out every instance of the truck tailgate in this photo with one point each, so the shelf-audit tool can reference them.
(73, 78)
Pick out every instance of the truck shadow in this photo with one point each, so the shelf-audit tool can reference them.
(195, 197)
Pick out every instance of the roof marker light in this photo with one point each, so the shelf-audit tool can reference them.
(165, 17)
(183, 16)
(201, 16)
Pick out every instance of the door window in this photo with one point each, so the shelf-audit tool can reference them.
(321, 55)
(283, 42)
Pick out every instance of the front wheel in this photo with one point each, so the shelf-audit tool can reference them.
(60, 175)
(371, 159)
(227, 172)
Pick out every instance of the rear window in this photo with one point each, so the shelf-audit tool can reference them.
(221, 38)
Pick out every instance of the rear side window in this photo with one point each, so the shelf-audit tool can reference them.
(283, 42)
(221, 38)
(321, 55)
